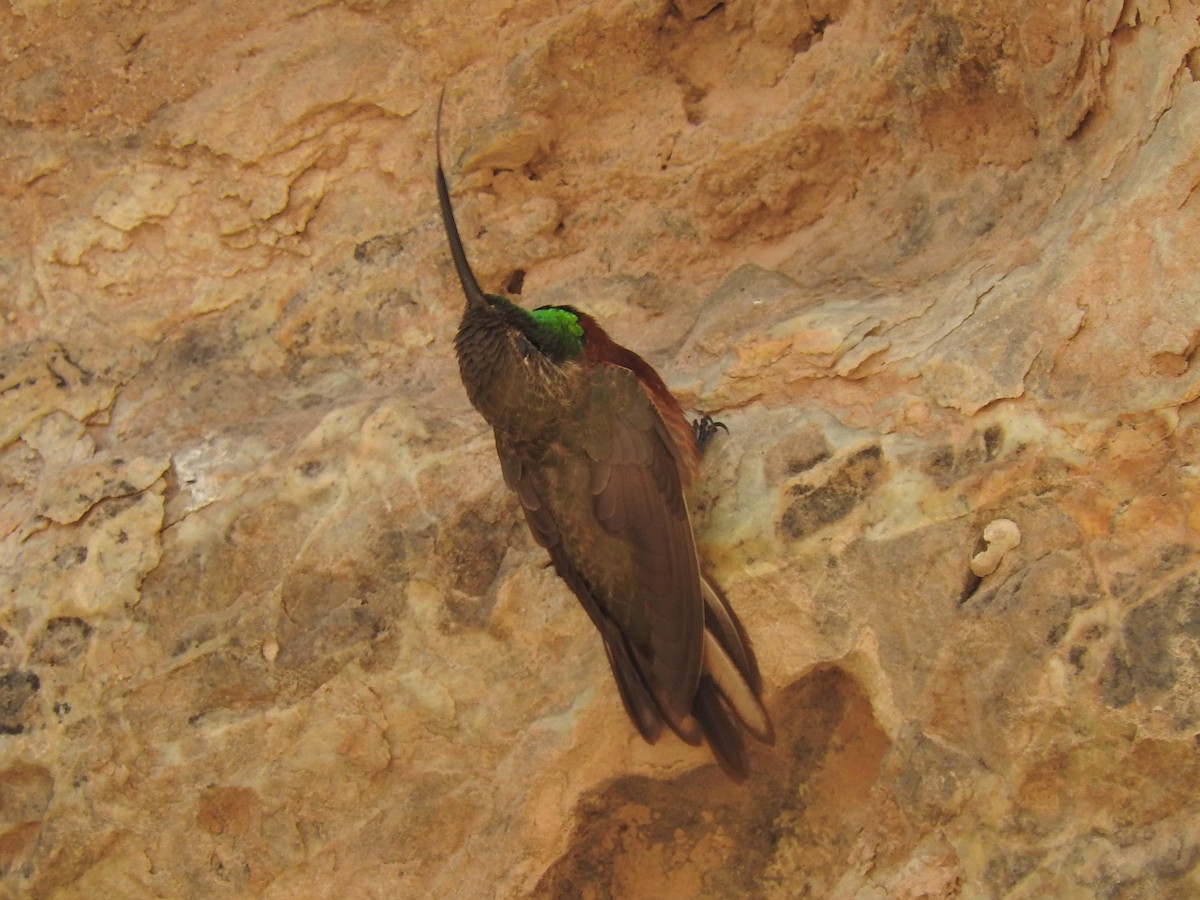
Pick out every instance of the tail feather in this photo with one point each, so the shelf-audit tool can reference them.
(640, 706)
(728, 699)
(737, 693)
(729, 696)
(721, 621)
(724, 736)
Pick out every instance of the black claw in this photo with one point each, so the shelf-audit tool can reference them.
(705, 429)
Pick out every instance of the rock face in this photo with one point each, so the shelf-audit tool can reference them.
(271, 625)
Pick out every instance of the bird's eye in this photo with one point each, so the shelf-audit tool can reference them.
(523, 346)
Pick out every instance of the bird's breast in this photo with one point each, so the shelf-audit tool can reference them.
(515, 387)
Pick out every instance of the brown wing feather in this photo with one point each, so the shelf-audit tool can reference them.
(638, 499)
(600, 349)
(641, 707)
(606, 500)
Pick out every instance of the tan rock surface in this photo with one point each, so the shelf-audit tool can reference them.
(270, 625)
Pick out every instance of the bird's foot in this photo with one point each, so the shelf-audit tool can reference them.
(705, 429)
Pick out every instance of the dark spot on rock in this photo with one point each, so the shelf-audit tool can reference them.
(311, 468)
(798, 452)
(814, 506)
(71, 557)
(916, 224)
(930, 779)
(1081, 126)
(993, 440)
(940, 460)
(114, 506)
(1119, 682)
(185, 645)
(467, 612)
(1083, 601)
(63, 639)
(1151, 657)
(381, 248)
(1076, 656)
(16, 688)
(197, 349)
(471, 546)
(516, 281)
(798, 465)
(804, 41)
(26, 791)
(1008, 868)
(970, 586)
(59, 381)
(949, 463)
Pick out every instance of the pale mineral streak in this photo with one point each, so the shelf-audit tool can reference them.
(270, 624)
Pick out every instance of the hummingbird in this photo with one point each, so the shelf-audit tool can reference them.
(600, 454)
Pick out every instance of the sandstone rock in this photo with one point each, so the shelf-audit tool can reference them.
(271, 625)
